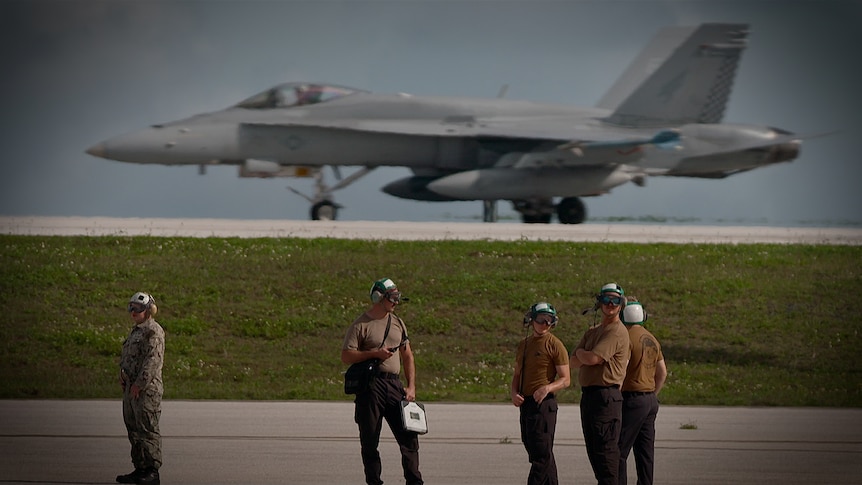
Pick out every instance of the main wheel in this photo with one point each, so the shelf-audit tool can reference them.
(571, 210)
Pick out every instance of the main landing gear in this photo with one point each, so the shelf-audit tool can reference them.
(570, 210)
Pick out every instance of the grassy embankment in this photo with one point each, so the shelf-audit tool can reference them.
(264, 318)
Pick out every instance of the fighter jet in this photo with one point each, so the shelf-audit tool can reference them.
(661, 118)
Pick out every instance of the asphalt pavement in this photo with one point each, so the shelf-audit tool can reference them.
(301, 442)
(406, 230)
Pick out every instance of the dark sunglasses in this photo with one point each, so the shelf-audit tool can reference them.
(611, 300)
(545, 321)
(136, 309)
(394, 297)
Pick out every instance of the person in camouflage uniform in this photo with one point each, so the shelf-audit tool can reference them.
(141, 379)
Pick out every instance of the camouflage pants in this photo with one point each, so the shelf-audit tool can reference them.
(142, 424)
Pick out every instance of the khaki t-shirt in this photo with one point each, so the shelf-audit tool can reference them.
(611, 343)
(366, 334)
(544, 353)
(646, 352)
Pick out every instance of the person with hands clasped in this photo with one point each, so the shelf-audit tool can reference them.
(541, 370)
(141, 380)
(380, 334)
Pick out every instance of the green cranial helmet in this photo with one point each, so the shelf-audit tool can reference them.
(612, 288)
(381, 287)
(543, 308)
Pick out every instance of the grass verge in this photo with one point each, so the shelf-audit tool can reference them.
(740, 325)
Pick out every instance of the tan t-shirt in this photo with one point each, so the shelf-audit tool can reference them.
(646, 352)
(611, 343)
(544, 353)
(366, 334)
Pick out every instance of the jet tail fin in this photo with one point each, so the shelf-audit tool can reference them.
(684, 75)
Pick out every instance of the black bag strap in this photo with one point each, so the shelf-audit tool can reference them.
(404, 336)
(523, 364)
(386, 333)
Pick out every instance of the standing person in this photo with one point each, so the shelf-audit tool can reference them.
(541, 369)
(645, 376)
(380, 334)
(141, 379)
(601, 357)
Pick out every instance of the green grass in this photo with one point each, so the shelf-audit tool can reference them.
(774, 325)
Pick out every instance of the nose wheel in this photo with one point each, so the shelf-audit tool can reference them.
(325, 210)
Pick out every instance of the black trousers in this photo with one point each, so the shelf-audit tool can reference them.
(601, 420)
(538, 425)
(383, 401)
(639, 412)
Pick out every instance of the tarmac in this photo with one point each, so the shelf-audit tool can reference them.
(310, 443)
(431, 231)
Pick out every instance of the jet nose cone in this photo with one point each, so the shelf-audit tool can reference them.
(97, 150)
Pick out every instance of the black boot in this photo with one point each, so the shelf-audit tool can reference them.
(131, 477)
(150, 477)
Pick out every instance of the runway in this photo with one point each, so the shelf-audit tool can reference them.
(311, 443)
(401, 230)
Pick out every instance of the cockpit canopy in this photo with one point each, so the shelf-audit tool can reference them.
(296, 94)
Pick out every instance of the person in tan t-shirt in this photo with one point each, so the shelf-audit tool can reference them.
(645, 376)
(366, 339)
(541, 370)
(601, 358)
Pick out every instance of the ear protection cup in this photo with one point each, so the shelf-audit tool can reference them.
(634, 313)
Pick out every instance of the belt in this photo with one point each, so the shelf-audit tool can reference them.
(636, 393)
(388, 375)
(599, 388)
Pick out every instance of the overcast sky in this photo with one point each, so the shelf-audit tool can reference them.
(78, 72)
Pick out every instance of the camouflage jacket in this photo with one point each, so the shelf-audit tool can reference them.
(143, 356)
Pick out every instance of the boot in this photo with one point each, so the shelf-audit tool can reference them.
(150, 477)
(131, 477)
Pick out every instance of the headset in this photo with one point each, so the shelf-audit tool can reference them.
(539, 309)
(383, 286)
(141, 298)
(608, 288)
(634, 313)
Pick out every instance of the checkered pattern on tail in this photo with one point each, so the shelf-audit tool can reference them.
(716, 101)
